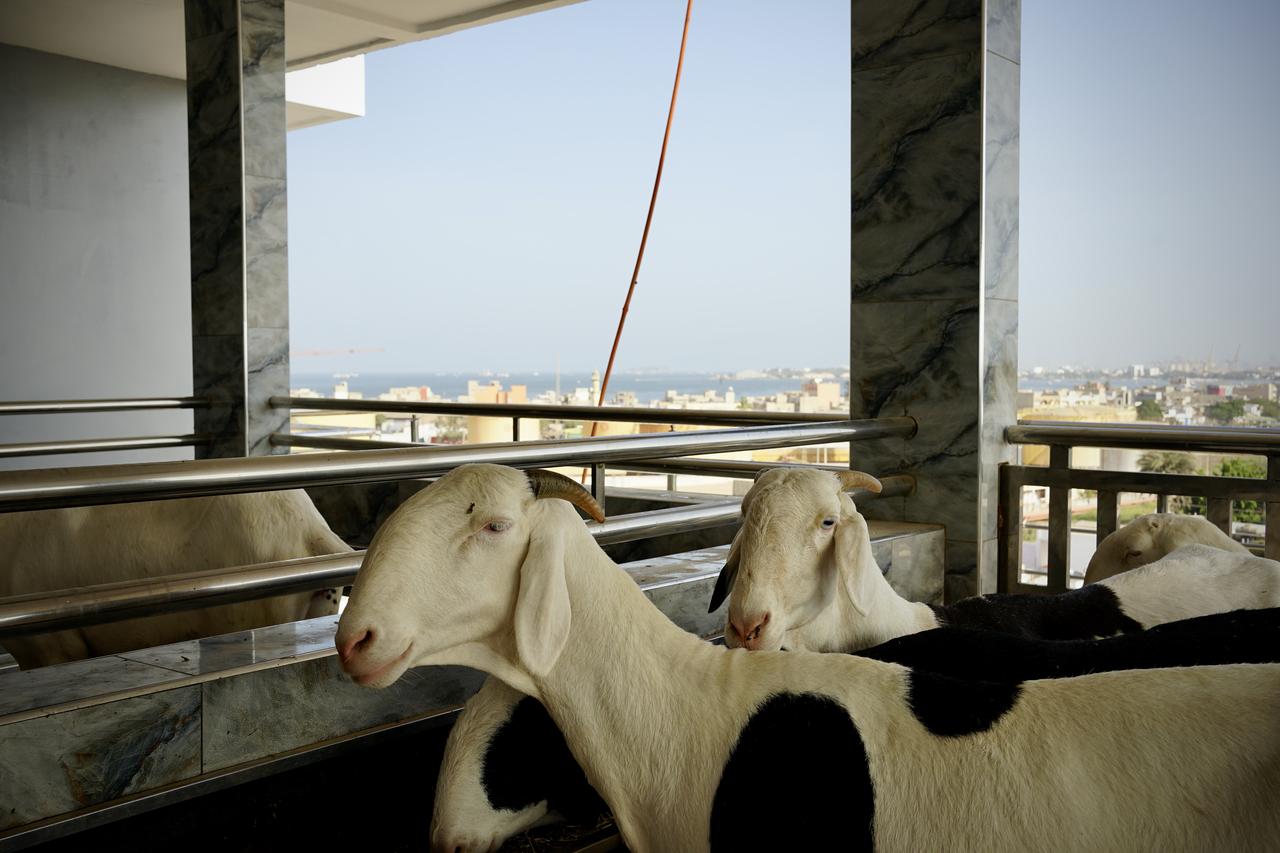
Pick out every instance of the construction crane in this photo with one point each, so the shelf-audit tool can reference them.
(1235, 359)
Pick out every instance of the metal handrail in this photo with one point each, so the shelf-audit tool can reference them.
(620, 414)
(92, 445)
(1061, 478)
(123, 404)
(43, 489)
(895, 485)
(1147, 437)
(73, 608)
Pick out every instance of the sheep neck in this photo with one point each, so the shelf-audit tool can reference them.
(627, 692)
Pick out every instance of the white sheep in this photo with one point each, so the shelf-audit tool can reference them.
(56, 549)
(802, 576)
(507, 769)
(698, 747)
(1150, 537)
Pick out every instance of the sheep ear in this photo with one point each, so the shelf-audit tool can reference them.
(724, 583)
(543, 613)
(848, 547)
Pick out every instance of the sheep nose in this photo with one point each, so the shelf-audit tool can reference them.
(748, 629)
(357, 642)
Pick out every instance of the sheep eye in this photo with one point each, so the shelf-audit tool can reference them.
(1131, 554)
(828, 523)
(497, 526)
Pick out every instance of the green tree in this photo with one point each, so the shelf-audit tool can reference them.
(1149, 410)
(1247, 511)
(1172, 462)
(1225, 412)
(1166, 462)
(1270, 408)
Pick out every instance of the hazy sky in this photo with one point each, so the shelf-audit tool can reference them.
(484, 214)
(1150, 181)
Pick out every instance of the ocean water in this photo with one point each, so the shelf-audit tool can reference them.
(646, 386)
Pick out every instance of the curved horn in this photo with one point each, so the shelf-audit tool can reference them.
(858, 480)
(549, 484)
(724, 582)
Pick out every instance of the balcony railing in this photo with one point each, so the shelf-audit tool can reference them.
(1060, 478)
(97, 445)
(44, 489)
(330, 439)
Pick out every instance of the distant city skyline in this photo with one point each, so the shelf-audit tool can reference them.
(500, 176)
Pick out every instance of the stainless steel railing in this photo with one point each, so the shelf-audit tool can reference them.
(74, 608)
(95, 445)
(620, 414)
(126, 404)
(42, 489)
(1220, 493)
(515, 411)
(46, 488)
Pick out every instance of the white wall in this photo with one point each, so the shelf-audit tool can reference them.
(94, 249)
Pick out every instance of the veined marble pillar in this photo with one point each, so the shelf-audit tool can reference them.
(934, 324)
(239, 256)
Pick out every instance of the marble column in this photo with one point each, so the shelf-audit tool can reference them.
(934, 321)
(239, 253)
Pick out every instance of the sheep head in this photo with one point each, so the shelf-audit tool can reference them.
(1128, 548)
(469, 571)
(801, 542)
(1151, 537)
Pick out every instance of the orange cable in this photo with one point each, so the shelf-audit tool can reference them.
(648, 220)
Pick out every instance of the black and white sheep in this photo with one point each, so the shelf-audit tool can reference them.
(801, 575)
(697, 747)
(507, 769)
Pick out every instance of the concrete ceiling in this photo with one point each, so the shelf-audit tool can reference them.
(147, 35)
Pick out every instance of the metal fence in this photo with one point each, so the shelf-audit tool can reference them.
(331, 440)
(1060, 478)
(50, 488)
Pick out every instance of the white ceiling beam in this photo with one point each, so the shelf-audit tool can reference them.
(497, 11)
(386, 25)
(391, 31)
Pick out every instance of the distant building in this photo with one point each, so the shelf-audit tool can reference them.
(1264, 391)
(493, 393)
(407, 394)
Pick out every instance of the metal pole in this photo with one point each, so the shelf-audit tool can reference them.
(1009, 527)
(92, 445)
(51, 407)
(26, 490)
(1059, 523)
(415, 430)
(1272, 547)
(620, 414)
(515, 429)
(58, 610)
(1108, 513)
(1148, 437)
(598, 475)
(1218, 511)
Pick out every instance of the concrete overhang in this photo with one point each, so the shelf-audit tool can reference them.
(147, 36)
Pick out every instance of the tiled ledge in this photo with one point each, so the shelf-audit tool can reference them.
(86, 733)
